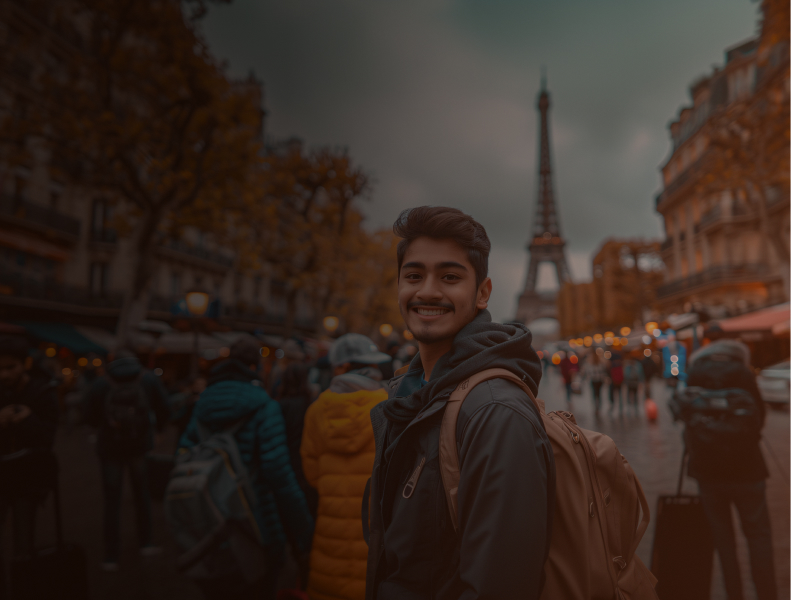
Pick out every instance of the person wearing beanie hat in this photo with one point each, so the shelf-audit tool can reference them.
(337, 457)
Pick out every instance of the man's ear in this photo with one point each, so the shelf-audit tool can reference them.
(484, 293)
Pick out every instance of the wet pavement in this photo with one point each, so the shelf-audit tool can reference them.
(653, 450)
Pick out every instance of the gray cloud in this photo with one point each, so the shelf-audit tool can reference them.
(436, 98)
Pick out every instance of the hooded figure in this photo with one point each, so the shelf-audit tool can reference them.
(235, 393)
(337, 457)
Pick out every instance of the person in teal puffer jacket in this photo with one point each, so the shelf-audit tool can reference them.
(234, 392)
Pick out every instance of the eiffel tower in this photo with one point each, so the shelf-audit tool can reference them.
(546, 245)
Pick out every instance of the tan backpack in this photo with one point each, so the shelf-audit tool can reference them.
(598, 501)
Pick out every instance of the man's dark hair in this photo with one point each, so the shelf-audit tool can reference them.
(14, 346)
(442, 222)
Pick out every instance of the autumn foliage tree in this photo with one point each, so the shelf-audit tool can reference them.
(314, 241)
(130, 103)
(749, 139)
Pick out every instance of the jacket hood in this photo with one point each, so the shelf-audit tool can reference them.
(345, 419)
(482, 344)
(123, 369)
(233, 393)
(362, 379)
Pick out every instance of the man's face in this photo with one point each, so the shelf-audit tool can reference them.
(437, 294)
(11, 371)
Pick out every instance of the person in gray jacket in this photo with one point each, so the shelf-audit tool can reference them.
(507, 472)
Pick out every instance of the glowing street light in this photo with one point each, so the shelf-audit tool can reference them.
(588, 341)
(624, 341)
(651, 326)
(385, 329)
(197, 303)
(625, 331)
(598, 338)
(331, 323)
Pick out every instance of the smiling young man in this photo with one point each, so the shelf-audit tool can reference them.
(506, 489)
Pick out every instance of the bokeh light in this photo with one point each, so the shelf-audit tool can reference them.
(50, 352)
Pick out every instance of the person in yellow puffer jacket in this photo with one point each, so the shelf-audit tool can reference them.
(337, 458)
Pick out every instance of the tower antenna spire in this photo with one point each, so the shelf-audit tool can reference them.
(546, 243)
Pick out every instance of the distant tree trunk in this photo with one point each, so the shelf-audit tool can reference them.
(135, 305)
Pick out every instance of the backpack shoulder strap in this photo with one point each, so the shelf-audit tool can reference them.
(448, 453)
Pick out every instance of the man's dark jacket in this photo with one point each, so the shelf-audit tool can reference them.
(28, 465)
(124, 370)
(507, 486)
(720, 366)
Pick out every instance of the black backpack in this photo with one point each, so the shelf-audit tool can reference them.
(127, 413)
(717, 420)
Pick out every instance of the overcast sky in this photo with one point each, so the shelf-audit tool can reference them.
(436, 100)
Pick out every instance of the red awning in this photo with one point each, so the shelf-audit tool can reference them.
(766, 319)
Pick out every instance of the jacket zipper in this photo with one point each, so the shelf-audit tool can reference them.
(411, 483)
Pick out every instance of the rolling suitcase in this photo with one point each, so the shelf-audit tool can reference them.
(683, 554)
(56, 573)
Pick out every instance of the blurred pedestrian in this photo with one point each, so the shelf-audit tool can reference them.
(294, 399)
(183, 403)
(291, 353)
(236, 395)
(389, 368)
(615, 376)
(634, 378)
(338, 456)
(28, 420)
(567, 371)
(650, 367)
(733, 472)
(594, 371)
(126, 405)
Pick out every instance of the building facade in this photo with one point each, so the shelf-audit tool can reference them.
(626, 275)
(62, 258)
(716, 249)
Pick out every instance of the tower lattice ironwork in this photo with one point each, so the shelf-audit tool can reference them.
(547, 244)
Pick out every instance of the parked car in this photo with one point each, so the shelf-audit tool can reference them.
(774, 384)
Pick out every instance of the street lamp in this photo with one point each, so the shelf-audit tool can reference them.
(385, 329)
(331, 323)
(197, 305)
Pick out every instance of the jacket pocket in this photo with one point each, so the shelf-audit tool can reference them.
(411, 483)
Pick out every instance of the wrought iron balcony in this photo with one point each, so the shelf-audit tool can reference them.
(714, 275)
(39, 217)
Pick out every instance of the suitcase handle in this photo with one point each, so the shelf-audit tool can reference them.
(681, 471)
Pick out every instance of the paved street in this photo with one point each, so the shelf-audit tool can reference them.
(654, 451)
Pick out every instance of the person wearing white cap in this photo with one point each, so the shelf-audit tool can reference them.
(337, 457)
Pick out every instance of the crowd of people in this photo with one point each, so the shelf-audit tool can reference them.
(345, 468)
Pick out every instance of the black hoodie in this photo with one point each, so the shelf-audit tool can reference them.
(506, 488)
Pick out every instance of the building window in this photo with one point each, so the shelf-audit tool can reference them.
(98, 279)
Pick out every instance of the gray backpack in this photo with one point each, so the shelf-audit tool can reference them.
(209, 504)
